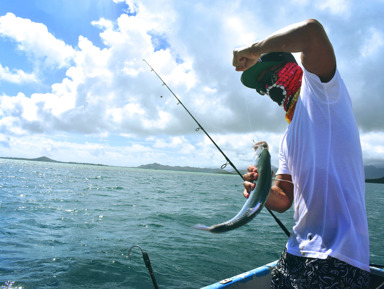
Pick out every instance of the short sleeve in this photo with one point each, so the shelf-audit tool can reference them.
(283, 164)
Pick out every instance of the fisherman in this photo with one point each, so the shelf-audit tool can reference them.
(320, 153)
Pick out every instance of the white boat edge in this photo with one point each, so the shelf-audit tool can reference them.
(257, 278)
(261, 278)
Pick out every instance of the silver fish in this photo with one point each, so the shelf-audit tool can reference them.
(257, 197)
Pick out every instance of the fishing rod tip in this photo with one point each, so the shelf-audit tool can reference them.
(130, 249)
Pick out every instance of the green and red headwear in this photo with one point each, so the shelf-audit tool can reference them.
(282, 84)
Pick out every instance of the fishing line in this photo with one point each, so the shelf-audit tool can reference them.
(249, 116)
(225, 156)
(200, 127)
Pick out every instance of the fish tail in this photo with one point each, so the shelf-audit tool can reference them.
(201, 227)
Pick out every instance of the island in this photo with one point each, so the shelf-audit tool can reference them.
(375, 181)
(48, 160)
(156, 166)
(371, 172)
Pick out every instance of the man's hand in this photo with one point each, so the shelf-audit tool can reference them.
(249, 177)
(307, 37)
(244, 58)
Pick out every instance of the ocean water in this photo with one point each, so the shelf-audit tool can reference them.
(71, 226)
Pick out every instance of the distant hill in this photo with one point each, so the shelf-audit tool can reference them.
(48, 160)
(40, 159)
(43, 159)
(373, 174)
(375, 181)
(156, 166)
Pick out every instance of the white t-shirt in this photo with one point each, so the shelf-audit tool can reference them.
(321, 151)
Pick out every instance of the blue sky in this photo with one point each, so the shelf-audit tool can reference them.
(73, 85)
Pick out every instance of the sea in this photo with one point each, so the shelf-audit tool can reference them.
(85, 226)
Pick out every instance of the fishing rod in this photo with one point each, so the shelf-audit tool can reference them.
(224, 155)
(200, 126)
(147, 263)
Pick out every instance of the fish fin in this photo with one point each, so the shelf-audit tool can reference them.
(201, 227)
(255, 209)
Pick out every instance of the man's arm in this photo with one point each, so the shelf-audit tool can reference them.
(281, 195)
(307, 37)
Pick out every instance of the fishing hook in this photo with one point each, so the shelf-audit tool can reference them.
(147, 263)
(224, 155)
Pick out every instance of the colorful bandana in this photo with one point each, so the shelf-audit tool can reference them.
(285, 91)
(292, 106)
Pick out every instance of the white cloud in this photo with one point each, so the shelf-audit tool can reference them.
(110, 91)
(4, 141)
(373, 146)
(16, 75)
(103, 24)
(35, 40)
(373, 43)
(337, 7)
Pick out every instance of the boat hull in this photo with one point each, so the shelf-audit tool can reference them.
(261, 278)
(254, 279)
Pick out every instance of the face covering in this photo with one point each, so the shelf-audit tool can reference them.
(286, 90)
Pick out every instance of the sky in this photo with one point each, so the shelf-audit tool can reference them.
(74, 86)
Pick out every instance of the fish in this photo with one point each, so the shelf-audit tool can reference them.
(257, 197)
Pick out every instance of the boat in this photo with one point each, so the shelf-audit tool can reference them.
(261, 278)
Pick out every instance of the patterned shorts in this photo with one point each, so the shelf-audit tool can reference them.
(299, 272)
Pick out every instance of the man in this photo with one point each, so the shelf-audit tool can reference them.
(320, 154)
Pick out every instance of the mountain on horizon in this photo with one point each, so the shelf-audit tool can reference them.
(157, 166)
(43, 159)
(372, 172)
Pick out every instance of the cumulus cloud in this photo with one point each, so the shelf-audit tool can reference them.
(109, 91)
(16, 75)
(35, 39)
(4, 141)
(374, 42)
(337, 7)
